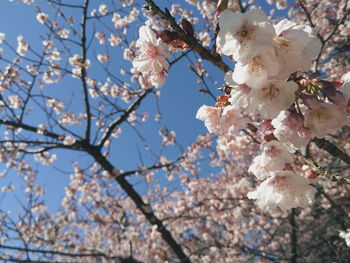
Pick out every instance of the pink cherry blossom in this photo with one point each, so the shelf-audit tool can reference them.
(322, 118)
(243, 35)
(274, 157)
(295, 47)
(221, 121)
(257, 70)
(152, 52)
(283, 189)
(289, 129)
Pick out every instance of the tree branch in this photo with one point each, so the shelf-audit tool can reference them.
(190, 40)
(68, 254)
(331, 149)
(337, 177)
(122, 118)
(84, 73)
(29, 128)
(293, 236)
(140, 204)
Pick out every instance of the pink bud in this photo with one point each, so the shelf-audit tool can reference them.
(311, 174)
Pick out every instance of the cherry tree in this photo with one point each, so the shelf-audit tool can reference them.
(267, 181)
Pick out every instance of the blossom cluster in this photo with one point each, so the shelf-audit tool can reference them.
(268, 82)
(151, 57)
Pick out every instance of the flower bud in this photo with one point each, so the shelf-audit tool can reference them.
(311, 174)
(187, 26)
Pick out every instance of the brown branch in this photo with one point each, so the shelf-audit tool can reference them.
(323, 40)
(337, 177)
(153, 167)
(122, 118)
(29, 128)
(190, 40)
(145, 208)
(69, 254)
(293, 236)
(331, 149)
(84, 73)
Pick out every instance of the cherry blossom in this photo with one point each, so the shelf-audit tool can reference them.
(289, 128)
(322, 117)
(148, 189)
(152, 52)
(68, 140)
(243, 35)
(259, 69)
(22, 46)
(345, 88)
(2, 37)
(273, 97)
(274, 157)
(295, 47)
(221, 121)
(42, 18)
(283, 189)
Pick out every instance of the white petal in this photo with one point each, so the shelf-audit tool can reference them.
(147, 34)
(256, 16)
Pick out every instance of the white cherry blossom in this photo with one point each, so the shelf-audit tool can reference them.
(295, 47)
(345, 88)
(274, 157)
(322, 118)
(289, 129)
(269, 100)
(273, 97)
(283, 189)
(243, 35)
(42, 18)
(152, 52)
(158, 78)
(221, 121)
(259, 69)
(346, 236)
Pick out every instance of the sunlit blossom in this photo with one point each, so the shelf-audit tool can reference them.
(283, 189)
(152, 52)
(244, 35)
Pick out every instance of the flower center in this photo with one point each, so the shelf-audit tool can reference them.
(245, 32)
(152, 51)
(270, 92)
(255, 65)
(282, 45)
(321, 115)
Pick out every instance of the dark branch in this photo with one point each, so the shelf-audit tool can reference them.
(84, 73)
(190, 40)
(146, 209)
(122, 118)
(331, 149)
